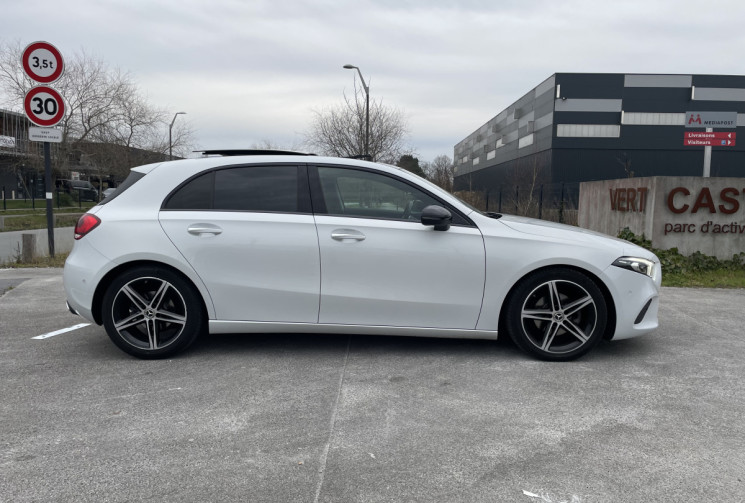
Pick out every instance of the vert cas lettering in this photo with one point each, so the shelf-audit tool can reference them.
(726, 201)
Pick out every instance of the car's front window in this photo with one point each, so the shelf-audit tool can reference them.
(359, 193)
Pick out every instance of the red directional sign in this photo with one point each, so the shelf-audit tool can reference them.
(42, 62)
(700, 135)
(44, 106)
(708, 142)
(709, 139)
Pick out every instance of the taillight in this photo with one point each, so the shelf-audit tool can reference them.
(85, 224)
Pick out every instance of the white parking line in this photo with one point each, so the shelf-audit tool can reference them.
(62, 331)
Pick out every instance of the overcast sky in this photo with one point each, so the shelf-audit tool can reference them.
(254, 70)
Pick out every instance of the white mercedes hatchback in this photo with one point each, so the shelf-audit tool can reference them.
(268, 242)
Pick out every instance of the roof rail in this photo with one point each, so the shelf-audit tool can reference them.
(229, 152)
(363, 157)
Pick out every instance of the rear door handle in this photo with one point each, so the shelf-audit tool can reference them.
(343, 234)
(198, 229)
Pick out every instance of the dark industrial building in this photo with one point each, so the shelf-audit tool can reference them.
(576, 127)
(21, 169)
(22, 160)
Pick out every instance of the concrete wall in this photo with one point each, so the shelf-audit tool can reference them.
(11, 241)
(688, 213)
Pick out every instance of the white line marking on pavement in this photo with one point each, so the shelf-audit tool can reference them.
(62, 331)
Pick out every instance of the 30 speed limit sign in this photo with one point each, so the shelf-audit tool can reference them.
(44, 106)
(42, 62)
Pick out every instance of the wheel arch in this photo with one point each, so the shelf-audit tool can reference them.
(103, 285)
(610, 326)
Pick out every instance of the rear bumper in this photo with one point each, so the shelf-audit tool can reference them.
(83, 271)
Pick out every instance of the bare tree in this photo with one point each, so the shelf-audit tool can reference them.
(441, 172)
(625, 160)
(340, 130)
(524, 186)
(107, 121)
(13, 81)
(267, 144)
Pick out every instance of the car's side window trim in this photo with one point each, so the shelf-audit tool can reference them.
(304, 205)
(319, 203)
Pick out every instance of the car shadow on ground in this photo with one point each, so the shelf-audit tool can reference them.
(501, 349)
(309, 343)
(279, 345)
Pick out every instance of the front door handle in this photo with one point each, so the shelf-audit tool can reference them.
(343, 234)
(198, 229)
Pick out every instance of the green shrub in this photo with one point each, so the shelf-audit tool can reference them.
(673, 262)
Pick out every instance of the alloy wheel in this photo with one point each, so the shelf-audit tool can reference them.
(149, 313)
(559, 317)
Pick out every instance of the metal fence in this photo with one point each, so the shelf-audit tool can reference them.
(557, 202)
(61, 198)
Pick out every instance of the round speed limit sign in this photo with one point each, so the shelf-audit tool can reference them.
(42, 62)
(44, 106)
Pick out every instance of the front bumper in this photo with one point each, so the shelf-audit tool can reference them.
(636, 298)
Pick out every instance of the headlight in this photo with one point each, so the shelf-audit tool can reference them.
(640, 265)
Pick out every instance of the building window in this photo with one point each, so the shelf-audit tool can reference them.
(476, 161)
(588, 130)
(652, 119)
(525, 141)
(490, 155)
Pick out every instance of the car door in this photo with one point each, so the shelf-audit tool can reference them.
(249, 233)
(380, 266)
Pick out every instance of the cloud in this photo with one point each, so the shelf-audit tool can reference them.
(256, 70)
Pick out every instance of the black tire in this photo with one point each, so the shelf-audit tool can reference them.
(152, 312)
(556, 314)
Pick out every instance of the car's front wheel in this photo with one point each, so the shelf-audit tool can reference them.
(556, 314)
(151, 312)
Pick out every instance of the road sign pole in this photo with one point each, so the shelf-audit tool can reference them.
(707, 157)
(49, 192)
(43, 63)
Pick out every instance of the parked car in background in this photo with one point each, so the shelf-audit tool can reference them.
(235, 242)
(83, 188)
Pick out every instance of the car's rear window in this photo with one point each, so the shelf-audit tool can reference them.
(133, 177)
(272, 189)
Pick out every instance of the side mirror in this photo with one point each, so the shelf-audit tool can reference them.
(437, 216)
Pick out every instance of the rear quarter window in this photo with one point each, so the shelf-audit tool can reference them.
(272, 189)
(133, 177)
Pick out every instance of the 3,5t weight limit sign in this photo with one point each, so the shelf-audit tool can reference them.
(44, 106)
(42, 62)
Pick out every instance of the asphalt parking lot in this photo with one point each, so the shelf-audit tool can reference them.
(300, 418)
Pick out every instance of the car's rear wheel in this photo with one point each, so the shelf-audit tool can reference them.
(556, 314)
(151, 312)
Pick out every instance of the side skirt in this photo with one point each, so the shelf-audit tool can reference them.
(261, 327)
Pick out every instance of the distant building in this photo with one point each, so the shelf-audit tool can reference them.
(19, 157)
(576, 127)
(22, 167)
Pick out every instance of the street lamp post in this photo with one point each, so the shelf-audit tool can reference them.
(170, 140)
(367, 109)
